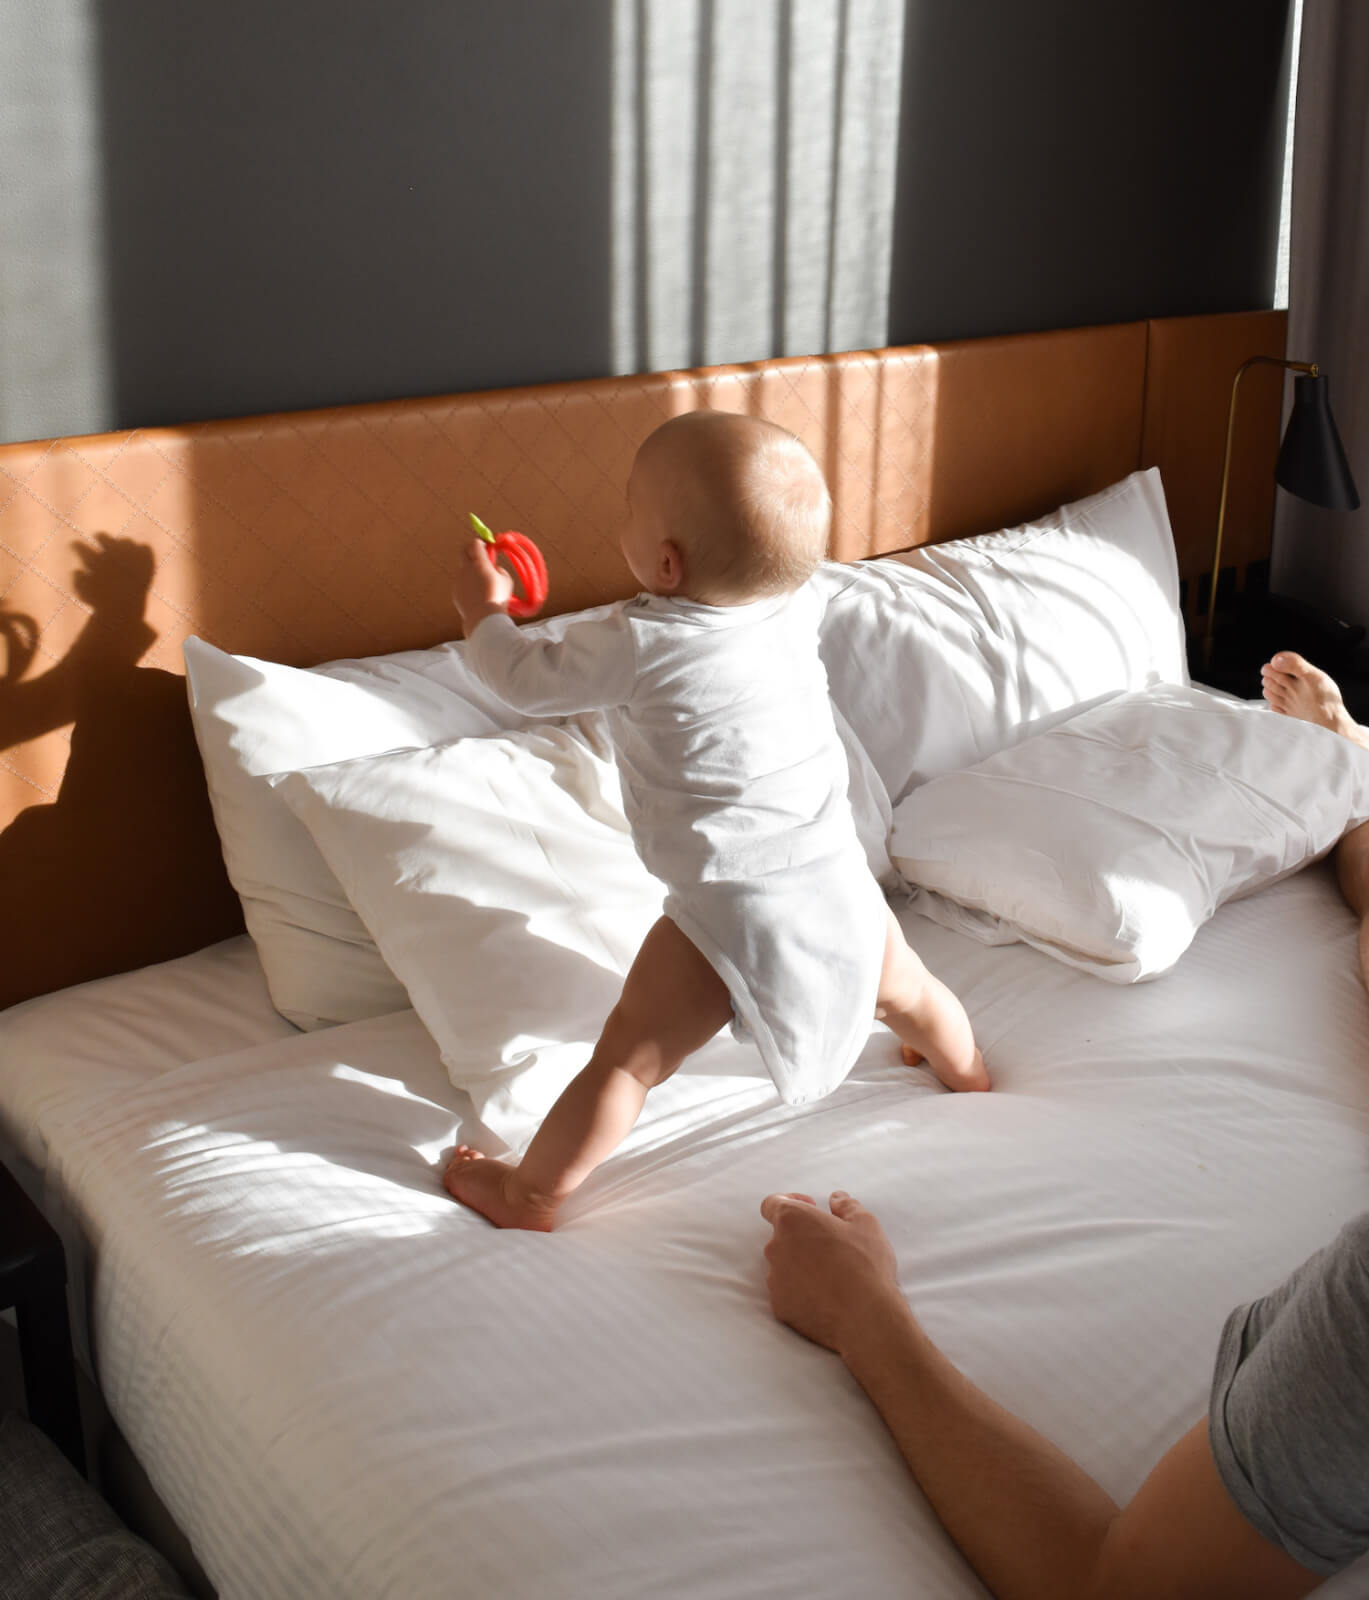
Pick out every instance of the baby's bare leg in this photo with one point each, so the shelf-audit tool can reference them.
(672, 1003)
(926, 1016)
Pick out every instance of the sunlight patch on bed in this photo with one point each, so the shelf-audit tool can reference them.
(224, 1178)
(1158, 918)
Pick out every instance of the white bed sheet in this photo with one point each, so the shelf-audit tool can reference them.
(342, 1384)
(61, 1051)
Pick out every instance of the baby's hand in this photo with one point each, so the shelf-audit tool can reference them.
(480, 589)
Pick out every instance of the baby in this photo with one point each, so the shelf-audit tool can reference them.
(735, 785)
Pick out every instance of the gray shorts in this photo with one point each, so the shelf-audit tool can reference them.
(1289, 1413)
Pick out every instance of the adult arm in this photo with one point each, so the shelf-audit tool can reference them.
(1029, 1520)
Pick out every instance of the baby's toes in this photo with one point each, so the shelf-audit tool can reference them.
(459, 1162)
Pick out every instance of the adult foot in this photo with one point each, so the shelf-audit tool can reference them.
(492, 1188)
(1295, 688)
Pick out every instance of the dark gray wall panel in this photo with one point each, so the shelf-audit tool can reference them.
(1065, 162)
(315, 202)
(310, 202)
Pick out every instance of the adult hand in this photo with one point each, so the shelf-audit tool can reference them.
(1030, 1521)
(480, 589)
(831, 1273)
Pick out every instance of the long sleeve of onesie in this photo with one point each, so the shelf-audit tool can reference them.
(590, 667)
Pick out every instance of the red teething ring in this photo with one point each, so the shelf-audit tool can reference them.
(525, 558)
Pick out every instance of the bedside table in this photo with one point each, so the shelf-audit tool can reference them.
(33, 1281)
(1255, 625)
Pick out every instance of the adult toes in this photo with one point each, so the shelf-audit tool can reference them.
(1291, 662)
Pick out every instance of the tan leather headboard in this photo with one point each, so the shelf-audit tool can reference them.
(308, 536)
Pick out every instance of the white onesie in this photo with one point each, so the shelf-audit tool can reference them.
(735, 786)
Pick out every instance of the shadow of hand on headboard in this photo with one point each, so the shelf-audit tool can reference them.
(113, 580)
(127, 798)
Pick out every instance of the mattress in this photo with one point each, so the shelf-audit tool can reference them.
(63, 1051)
(343, 1384)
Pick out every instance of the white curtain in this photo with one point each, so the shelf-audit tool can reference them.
(754, 146)
(1323, 556)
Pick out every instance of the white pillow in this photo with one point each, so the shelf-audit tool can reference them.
(947, 654)
(1109, 840)
(500, 881)
(936, 659)
(253, 718)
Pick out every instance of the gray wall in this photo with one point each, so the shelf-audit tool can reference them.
(1063, 162)
(211, 210)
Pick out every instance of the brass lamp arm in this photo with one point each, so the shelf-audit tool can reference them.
(1311, 369)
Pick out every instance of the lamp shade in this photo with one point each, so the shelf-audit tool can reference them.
(1312, 462)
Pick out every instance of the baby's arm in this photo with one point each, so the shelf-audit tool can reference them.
(590, 667)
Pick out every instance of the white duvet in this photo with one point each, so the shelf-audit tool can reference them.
(343, 1384)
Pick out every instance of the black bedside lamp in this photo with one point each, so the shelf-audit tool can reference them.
(1311, 462)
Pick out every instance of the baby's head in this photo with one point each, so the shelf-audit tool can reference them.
(725, 509)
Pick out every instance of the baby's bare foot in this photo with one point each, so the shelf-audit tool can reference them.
(973, 1076)
(492, 1188)
(1295, 688)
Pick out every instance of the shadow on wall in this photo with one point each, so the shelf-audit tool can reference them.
(78, 873)
(303, 539)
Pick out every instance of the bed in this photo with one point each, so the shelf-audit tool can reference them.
(337, 1381)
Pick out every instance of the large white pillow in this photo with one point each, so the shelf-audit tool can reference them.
(500, 881)
(945, 655)
(253, 718)
(1109, 840)
(936, 659)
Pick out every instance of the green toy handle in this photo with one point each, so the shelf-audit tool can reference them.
(527, 563)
